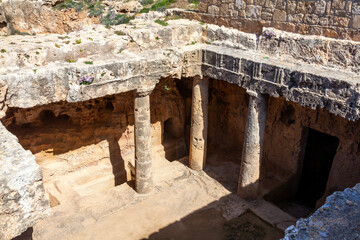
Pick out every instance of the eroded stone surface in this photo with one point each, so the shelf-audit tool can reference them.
(23, 200)
(338, 218)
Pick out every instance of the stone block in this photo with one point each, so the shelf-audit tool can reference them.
(355, 21)
(259, 2)
(338, 4)
(266, 15)
(270, 3)
(320, 7)
(355, 9)
(279, 15)
(224, 9)
(240, 4)
(341, 21)
(291, 6)
(300, 7)
(297, 18)
(23, 200)
(312, 19)
(253, 11)
(213, 10)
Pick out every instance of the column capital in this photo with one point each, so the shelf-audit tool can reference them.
(201, 77)
(253, 93)
(143, 93)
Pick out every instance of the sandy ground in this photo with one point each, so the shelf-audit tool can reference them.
(183, 205)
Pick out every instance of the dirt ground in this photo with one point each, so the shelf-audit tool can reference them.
(183, 205)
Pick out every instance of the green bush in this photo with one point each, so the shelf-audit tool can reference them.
(161, 5)
(146, 2)
(162, 23)
(112, 18)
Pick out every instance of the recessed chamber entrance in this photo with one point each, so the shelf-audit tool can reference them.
(319, 155)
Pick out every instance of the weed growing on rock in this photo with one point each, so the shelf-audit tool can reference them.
(57, 45)
(71, 60)
(86, 80)
(88, 62)
(268, 34)
(161, 5)
(3, 51)
(146, 2)
(112, 18)
(78, 41)
(144, 10)
(196, 3)
(120, 33)
(161, 22)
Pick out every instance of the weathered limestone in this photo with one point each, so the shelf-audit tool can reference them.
(143, 162)
(338, 218)
(253, 144)
(22, 197)
(199, 123)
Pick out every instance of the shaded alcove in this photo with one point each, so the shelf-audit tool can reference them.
(319, 155)
(173, 139)
(87, 147)
(228, 106)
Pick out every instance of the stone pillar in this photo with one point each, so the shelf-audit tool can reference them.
(248, 187)
(199, 123)
(143, 162)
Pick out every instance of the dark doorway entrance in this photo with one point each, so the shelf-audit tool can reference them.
(319, 155)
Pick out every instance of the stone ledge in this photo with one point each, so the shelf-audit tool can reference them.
(338, 218)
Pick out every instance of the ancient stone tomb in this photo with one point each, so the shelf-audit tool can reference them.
(188, 116)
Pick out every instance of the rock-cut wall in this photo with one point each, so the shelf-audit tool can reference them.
(22, 195)
(330, 18)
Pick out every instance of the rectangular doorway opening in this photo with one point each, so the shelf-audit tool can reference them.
(319, 155)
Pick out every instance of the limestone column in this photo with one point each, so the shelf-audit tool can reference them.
(199, 123)
(248, 187)
(143, 162)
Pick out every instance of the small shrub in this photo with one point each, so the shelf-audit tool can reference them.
(96, 10)
(71, 60)
(62, 38)
(146, 2)
(86, 80)
(196, 3)
(112, 18)
(3, 51)
(268, 34)
(162, 4)
(144, 10)
(37, 53)
(57, 45)
(120, 33)
(88, 62)
(78, 41)
(161, 22)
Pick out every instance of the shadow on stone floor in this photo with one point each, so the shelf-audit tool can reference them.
(209, 224)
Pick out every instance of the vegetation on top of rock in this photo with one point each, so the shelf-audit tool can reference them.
(86, 80)
(2, 50)
(120, 33)
(146, 2)
(95, 7)
(161, 5)
(113, 18)
(71, 60)
(161, 22)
